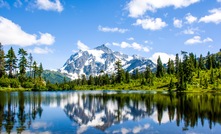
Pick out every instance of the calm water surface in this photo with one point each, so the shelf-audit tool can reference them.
(109, 112)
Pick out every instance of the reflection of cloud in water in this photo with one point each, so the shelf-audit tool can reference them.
(37, 125)
(137, 129)
(82, 129)
(129, 129)
(165, 117)
(125, 131)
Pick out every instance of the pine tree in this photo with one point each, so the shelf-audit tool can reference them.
(201, 63)
(160, 68)
(127, 77)
(22, 61)
(30, 60)
(11, 62)
(118, 68)
(170, 67)
(208, 61)
(148, 75)
(177, 62)
(40, 70)
(2, 61)
(35, 69)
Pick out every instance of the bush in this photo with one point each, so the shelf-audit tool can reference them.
(52, 86)
(39, 85)
(4, 82)
(14, 83)
(27, 85)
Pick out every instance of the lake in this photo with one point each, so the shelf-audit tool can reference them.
(110, 112)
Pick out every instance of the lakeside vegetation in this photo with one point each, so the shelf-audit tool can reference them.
(192, 73)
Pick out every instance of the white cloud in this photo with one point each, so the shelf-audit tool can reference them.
(138, 8)
(197, 40)
(148, 42)
(18, 3)
(49, 5)
(214, 17)
(163, 56)
(38, 50)
(190, 31)
(4, 4)
(131, 38)
(115, 29)
(207, 40)
(177, 23)
(151, 23)
(82, 46)
(218, 0)
(134, 45)
(190, 19)
(12, 34)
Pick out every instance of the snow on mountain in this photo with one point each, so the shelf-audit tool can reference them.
(102, 60)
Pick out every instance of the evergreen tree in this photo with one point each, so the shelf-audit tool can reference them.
(177, 62)
(118, 68)
(35, 69)
(2, 61)
(148, 75)
(30, 60)
(201, 63)
(208, 61)
(127, 77)
(213, 61)
(23, 61)
(91, 80)
(11, 62)
(160, 68)
(170, 67)
(83, 79)
(40, 70)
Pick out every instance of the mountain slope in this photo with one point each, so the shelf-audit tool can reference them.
(54, 76)
(102, 60)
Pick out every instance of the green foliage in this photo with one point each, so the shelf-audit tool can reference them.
(11, 61)
(2, 61)
(160, 68)
(120, 71)
(27, 84)
(14, 83)
(51, 86)
(4, 82)
(22, 61)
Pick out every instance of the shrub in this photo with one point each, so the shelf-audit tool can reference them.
(52, 86)
(27, 85)
(14, 83)
(4, 82)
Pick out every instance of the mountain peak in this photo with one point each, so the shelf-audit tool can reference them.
(91, 62)
(104, 48)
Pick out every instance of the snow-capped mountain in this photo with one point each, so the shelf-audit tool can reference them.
(102, 60)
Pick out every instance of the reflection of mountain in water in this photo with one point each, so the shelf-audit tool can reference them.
(104, 110)
(101, 111)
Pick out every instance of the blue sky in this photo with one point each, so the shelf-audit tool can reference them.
(52, 30)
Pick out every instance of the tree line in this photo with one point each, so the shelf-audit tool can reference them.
(13, 70)
(184, 71)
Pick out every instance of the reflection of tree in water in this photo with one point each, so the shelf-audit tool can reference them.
(188, 108)
(12, 104)
(19, 109)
